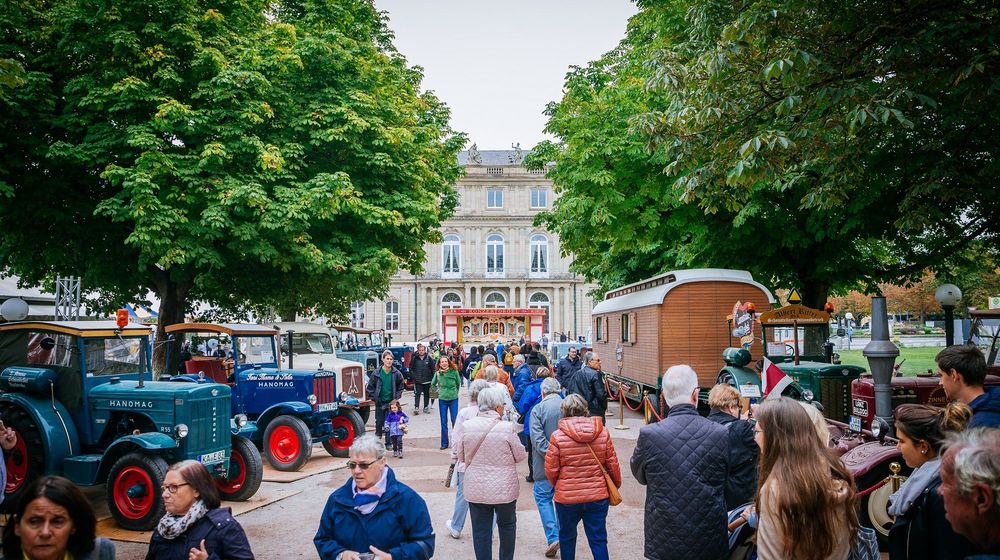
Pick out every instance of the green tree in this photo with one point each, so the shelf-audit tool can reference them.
(249, 154)
(823, 146)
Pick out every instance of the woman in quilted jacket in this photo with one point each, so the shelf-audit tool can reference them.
(573, 464)
(490, 450)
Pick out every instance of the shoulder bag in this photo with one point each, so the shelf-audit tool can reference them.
(614, 496)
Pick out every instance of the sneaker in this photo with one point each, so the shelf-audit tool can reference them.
(427, 410)
(452, 532)
(416, 411)
(529, 479)
(552, 550)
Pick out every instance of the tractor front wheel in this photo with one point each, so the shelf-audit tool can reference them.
(873, 509)
(246, 470)
(347, 425)
(26, 461)
(134, 495)
(287, 443)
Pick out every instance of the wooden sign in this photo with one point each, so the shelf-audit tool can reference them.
(795, 314)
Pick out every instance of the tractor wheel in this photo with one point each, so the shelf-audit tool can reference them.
(246, 470)
(134, 495)
(365, 413)
(26, 461)
(287, 443)
(873, 509)
(347, 425)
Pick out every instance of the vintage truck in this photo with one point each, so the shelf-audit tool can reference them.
(312, 346)
(293, 408)
(77, 395)
(357, 344)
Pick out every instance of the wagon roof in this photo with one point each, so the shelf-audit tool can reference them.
(635, 296)
(345, 328)
(85, 329)
(986, 313)
(231, 329)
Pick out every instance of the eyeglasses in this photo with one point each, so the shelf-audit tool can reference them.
(351, 465)
(172, 488)
(758, 431)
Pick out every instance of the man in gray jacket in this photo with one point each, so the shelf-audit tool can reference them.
(543, 421)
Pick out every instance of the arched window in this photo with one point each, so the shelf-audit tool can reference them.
(494, 255)
(451, 257)
(392, 315)
(540, 300)
(539, 255)
(495, 300)
(451, 300)
(358, 315)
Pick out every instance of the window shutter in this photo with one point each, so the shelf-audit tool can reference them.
(633, 325)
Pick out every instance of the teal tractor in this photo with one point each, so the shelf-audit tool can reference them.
(77, 397)
(796, 340)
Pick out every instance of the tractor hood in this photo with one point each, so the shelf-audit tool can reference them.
(820, 369)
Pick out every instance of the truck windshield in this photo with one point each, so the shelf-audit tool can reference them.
(114, 356)
(781, 340)
(257, 350)
(310, 343)
(985, 334)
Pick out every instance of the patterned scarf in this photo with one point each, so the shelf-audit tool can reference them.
(172, 526)
(366, 500)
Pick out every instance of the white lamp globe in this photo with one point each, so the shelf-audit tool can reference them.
(948, 295)
(14, 309)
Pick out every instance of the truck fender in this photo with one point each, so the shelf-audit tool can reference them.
(868, 456)
(59, 438)
(246, 431)
(293, 408)
(153, 442)
(739, 376)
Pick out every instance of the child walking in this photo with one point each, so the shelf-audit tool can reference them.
(396, 420)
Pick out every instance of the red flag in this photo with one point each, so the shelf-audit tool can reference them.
(773, 380)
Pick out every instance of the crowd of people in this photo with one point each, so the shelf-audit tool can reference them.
(735, 484)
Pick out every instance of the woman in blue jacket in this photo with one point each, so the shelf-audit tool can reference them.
(195, 526)
(373, 512)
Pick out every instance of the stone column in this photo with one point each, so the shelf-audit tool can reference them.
(435, 313)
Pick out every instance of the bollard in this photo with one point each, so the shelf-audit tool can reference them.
(895, 479)
(645, 405)
(621, 409)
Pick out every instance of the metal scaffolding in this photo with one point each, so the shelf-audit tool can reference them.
(67, 298)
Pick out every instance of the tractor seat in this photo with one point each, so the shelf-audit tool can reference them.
(214, 368)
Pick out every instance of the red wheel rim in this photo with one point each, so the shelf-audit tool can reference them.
(342, 423)
(284, 444)
(236, 476)
(140, 502)
(17, 466)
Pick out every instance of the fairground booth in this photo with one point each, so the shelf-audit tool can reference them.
(481, 326)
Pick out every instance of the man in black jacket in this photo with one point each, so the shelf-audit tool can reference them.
(422, 371)
(569, 365)
(384, 386)
(683, 462)
(589, 384)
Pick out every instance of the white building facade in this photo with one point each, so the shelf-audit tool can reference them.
(492, 257)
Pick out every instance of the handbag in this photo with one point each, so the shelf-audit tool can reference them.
(451, 474)
(614, 496)
(865, 545)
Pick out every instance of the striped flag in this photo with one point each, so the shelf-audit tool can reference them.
(773, 380)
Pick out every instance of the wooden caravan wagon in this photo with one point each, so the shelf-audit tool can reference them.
(679, 317)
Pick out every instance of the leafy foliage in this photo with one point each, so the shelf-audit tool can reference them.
(248, 153)
(818, 145)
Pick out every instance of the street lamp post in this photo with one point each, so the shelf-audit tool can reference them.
(948, 295)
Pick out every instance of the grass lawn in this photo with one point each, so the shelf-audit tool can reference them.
(917, 359)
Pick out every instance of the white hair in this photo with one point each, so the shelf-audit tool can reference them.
(476, 387)
(976, 459)
(491, 397)
(368, 444)
(678, 384)
(550, 385)
(491, 373)
(490, 358)
(519, 358)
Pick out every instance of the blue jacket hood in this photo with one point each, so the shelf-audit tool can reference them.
(986, 410)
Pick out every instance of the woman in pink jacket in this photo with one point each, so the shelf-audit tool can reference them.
(490, 449)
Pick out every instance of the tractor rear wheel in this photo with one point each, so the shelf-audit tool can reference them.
(287, 443)
(26, 461)
(246, 470)
(134, 495)
(347, 426)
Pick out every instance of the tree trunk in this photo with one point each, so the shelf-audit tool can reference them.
(173, 301)
(814, 295)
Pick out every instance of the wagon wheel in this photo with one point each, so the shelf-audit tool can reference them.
(133, 492)
(26, 461)
(287, 443)
(246, 470)
(347, 425)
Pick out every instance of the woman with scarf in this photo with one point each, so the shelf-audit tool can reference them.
(195, 526)
(921, 530)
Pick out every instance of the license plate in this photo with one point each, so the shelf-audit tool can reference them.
(859, 407)
(855, 423)
(213, 457)
(327, 407)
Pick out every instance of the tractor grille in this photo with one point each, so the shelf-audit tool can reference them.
(835, 396)
(325, 388)
(353, 382)
(208, 423)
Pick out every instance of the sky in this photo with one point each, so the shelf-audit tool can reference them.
(496, 64)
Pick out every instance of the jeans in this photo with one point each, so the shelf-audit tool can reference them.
(594, 516)
(397, 444)
(482, 529)
(546, 509)
(421, 389)
(461, 506)
(381, 409)
(446, 407)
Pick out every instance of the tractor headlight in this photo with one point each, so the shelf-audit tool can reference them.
(241, 420)
(807, 395)
(312, 400)
(343, 396)
(880, 428)
(181, 430)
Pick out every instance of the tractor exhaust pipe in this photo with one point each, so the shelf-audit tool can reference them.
(881, 354)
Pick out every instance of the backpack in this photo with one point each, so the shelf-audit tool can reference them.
(508, 359)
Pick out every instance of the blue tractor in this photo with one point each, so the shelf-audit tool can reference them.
(76, 395)
(293, 408)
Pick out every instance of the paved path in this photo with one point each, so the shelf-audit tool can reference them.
(285, 529)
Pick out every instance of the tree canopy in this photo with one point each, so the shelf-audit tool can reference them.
(819, 145)
(249, 153)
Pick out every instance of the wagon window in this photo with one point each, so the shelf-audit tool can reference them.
(626, 328)
(599, 328)
(49, 349)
